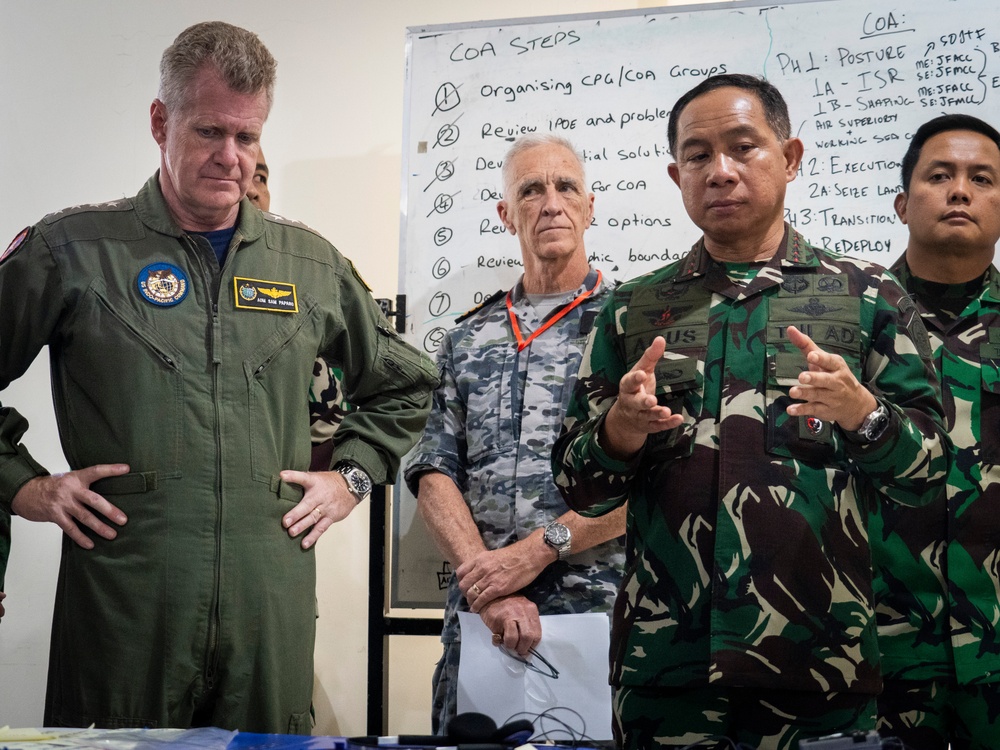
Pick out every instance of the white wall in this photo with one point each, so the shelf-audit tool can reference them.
(76, 80)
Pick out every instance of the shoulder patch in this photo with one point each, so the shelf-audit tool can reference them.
(499, 294)
(910, 315)
(15, 243)
(358, 276)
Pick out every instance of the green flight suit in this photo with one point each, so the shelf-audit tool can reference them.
(203, 607)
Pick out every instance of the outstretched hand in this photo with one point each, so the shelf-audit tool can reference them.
(635, 414)
(828, 389)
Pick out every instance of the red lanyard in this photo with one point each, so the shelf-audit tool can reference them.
(523, 343)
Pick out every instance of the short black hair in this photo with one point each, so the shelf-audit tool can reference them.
(775, 108)
(942, 124)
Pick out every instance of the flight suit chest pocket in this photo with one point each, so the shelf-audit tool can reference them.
(119, 383)
(832, 323)
(989, 420)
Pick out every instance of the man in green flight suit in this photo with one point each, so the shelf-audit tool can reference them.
(751, 402)
(938, 566)
(182, 325)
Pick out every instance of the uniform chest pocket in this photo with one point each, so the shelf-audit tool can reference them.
(485, 381)
(120, 383)
(989, 419)
(680, 386)
(807, 438)
(277, 378)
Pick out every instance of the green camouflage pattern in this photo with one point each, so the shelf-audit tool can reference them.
(933, 714)
(327, 408)
(938, 567)
(748, 561)
(694, 717)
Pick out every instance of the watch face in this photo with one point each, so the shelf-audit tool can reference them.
(557, 535)
(360, 482)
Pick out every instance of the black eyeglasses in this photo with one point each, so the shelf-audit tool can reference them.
(549, 671)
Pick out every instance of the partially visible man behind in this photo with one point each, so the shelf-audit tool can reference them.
(258, 190)
(482, 471)
(938, 567)
(327, 405)
(180, 324)
(750, 402)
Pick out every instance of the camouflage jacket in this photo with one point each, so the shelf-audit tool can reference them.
(493, 421)
(328, 406)
(747, 552)
(938, 567)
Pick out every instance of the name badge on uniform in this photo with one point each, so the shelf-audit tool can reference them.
(269, 296)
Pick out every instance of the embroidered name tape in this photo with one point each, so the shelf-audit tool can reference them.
(269, 296)
(162, 284)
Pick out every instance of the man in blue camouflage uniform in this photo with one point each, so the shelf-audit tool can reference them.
(482, 472)
(751, 402)
(938, 566)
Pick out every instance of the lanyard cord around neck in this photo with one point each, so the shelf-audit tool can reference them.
(523, 343)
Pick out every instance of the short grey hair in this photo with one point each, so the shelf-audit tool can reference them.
(238, 55)
(526, 142)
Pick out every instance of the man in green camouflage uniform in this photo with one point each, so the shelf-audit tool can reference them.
(482, 471)
(752, 402)
(938, 566)
(181, 324)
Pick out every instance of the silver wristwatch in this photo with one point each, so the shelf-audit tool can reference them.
(559, 538)
(874, 425)
(358, 481)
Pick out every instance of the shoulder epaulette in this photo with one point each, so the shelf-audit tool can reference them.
(279, 219)
(499, 294)
(122, 204)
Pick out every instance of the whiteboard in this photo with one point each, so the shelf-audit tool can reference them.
(859, 77)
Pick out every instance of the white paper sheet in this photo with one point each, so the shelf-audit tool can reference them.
(492, 683)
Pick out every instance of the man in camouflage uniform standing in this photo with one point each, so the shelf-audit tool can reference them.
(482, 471)
(751, 402)
(938, 566)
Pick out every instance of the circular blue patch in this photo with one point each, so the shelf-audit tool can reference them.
(162, 284)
